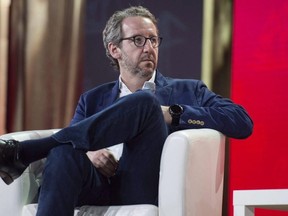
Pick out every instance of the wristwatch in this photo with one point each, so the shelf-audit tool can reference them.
(175, 111)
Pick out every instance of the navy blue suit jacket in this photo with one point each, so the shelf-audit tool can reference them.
(202, 107)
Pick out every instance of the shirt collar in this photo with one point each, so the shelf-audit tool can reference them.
(124, 90)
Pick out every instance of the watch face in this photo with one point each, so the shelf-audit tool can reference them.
(176, 109)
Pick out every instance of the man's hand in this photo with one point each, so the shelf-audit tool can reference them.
(104, 161)
(166, 114)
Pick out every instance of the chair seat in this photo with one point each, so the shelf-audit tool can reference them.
(126, 210)
(191, 179)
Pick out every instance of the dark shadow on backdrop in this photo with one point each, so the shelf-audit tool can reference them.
(221, 71)
(180, 24)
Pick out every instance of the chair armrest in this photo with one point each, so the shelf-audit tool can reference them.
(26, 135)
(23, 190)
(191, 173)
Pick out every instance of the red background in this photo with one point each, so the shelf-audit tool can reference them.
(260, 84)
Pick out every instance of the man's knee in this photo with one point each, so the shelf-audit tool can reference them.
(66, 154)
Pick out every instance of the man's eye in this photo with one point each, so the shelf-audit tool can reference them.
(138, 40)
(153, 40)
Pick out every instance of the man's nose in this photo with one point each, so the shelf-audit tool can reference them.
(148, 45)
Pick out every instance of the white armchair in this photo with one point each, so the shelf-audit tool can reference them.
(190, 184)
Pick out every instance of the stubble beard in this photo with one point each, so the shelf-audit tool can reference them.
(136, 70)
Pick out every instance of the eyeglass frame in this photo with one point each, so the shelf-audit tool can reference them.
(149, 38)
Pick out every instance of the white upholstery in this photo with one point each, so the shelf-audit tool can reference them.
(246, 201)
(191, 179)
(127, 210)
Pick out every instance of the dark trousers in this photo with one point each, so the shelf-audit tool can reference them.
(70, 179)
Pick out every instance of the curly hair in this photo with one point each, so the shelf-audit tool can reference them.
(113, 29)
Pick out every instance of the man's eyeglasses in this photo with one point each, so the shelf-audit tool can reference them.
(140, 40)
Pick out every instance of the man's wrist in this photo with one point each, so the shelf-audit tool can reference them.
(175, 111)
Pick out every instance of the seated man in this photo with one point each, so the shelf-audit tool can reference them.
(140, 109)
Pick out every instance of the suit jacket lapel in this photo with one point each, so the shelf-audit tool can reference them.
(110, 97)
(163, 91)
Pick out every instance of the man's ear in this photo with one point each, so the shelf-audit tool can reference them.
(114, 50)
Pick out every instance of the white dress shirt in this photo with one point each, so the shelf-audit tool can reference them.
(124, 90)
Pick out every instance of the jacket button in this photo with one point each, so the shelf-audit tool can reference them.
(196, 122)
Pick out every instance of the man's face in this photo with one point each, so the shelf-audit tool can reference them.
(138, 60)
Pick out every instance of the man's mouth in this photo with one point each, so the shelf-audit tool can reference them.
(147, 60)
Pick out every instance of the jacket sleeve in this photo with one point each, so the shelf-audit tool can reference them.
(79, 111)
(210, 110)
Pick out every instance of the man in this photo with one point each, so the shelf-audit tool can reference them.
(140, 110)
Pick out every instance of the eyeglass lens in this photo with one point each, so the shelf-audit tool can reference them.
(141, 40)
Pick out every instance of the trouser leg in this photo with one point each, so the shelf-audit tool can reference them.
(137, 178)
(121, 122)
(137, 121)
(68, 178)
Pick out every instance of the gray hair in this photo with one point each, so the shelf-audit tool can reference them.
(113, 29)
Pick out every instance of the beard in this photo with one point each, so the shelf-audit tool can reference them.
(144, 68)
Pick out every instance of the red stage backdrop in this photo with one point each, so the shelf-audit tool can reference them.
(260, 83)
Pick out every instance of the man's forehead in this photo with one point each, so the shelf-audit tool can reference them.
(137, 23)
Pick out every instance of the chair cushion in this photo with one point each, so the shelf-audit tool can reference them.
(125, 210)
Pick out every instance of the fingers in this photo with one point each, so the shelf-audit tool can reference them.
(104, 161)
(107, 164)
(109, 158)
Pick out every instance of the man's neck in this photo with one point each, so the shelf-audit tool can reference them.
(134, 83)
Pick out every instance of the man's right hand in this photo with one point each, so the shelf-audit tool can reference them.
(166, 114)
(104, 161)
